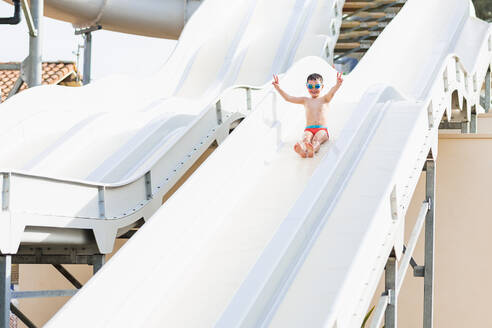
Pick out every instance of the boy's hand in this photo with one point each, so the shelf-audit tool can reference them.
(275, 82)
(339, 78)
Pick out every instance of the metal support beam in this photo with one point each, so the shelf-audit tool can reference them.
(27, 14)
(465, 127)
(430, 191)
(68, 275)
(22, 316)
(87, 57)
(487, 91)
(407, 258)
(5, 272)
(16, 87)
(33, 64)
(87, 34)
(379, 312)
(390, 284)
(473, 123)
(97, 262)
(44, 293)
(10, 66)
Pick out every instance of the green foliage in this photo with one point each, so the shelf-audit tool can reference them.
(367, 317)
(483, 9)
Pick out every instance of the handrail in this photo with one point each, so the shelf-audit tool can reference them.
(88, 183)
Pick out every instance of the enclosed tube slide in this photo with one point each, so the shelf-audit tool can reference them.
(155, 18)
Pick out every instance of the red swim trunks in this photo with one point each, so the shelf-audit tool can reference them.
(315, 128)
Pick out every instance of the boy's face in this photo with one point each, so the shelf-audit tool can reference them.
(314, 87)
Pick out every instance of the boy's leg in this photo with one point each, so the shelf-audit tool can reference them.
(301, 148)
(320, 138)
(308, 139)
(298, 149)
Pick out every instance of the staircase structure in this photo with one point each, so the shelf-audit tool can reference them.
(362, 22)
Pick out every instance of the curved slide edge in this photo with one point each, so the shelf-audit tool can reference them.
(348, 251)
(109, 209)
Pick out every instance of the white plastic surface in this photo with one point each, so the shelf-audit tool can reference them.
(100, 150)
(259, 237)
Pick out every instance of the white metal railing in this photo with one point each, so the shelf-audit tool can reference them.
(389, 296)
(102, 191)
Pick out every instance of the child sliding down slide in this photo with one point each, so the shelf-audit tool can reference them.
(316, 132)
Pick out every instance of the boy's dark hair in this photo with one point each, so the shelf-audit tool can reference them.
(314, 76)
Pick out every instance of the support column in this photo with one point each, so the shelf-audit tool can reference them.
(390, 279)
(487, 91)
(473, 123)
(87, 57)
(5, 272)
(429, 244)
(35, 58)
(97, 262)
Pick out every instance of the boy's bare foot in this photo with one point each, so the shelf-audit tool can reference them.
(298, 149)
(310, 149)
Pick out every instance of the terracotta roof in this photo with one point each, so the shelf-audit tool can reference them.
(53, 73)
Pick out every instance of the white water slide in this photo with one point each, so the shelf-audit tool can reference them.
(90, 163)
(256, 236)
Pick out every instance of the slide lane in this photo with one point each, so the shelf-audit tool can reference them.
(335, 280)
(116, 130)
(273, 240)
(211, 232)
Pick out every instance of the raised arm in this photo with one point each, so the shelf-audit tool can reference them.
(285, 95)
(335, 88)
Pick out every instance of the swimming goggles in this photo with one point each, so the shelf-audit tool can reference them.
(316, 86)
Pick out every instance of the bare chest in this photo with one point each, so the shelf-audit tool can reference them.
(315, 107)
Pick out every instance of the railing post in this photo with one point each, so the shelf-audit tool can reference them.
(218, 110)
(473, 123)
(5, 272)
(430, 173)
(390, 280)
(101, 202)
(148, 185)
(248, 99)
(487, 91)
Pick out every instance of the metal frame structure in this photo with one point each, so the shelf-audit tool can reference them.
(87, 34)
(31, 67)
(387, 307)
(92, 253)
(6, 294)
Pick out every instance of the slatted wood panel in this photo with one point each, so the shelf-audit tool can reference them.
(361, 28)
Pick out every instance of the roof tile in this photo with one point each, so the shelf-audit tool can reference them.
(53, 73)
